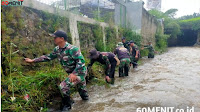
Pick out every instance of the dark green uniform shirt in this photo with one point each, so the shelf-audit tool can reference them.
(126, 45)
(150, 48)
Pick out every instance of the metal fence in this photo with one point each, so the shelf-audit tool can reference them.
(102, 10)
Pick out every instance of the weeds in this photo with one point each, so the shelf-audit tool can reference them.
(40, 87)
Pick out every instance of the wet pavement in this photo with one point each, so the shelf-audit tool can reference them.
(171, 79)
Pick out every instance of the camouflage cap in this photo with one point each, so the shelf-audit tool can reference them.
(120, 44)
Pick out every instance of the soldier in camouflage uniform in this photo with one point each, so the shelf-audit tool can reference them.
(134, 53)
(105, 58)
(124, 58)
(151, 50)
(125, 43)
(73, 62)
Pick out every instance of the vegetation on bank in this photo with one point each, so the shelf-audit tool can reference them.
(193, 23)
(25, 33)
(32, 87)
(171, 26)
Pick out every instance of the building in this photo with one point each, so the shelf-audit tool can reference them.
(154, 4)
(133, 15)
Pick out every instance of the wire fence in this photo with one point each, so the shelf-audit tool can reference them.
(102, 10)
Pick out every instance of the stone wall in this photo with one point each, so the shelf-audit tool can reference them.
(27, 29)
(149, 27)
(73, 18)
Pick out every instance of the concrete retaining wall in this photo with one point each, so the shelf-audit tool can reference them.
(138, 19)
(149, 27)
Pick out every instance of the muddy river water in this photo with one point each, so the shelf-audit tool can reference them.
(171, 79)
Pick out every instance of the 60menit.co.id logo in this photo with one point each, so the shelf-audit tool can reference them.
(12, 3)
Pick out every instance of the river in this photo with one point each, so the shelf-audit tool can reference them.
(171, 79)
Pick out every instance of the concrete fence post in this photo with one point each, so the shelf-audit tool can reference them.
(74, 31)
(117, 32)
(104, 37)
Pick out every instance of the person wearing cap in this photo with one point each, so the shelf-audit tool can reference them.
(124, 57)
(151, 50)
(106, 58)
(73, 62)
(134, 52)
(125, 43)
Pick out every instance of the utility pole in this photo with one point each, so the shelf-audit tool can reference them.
(65, 4)
(98, 11)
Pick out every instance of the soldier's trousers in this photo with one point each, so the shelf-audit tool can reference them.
(150, 55)
(134, 61)
(80, 84)
(111, 72)
(124, 67)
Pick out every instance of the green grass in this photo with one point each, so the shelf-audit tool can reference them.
(40, 86)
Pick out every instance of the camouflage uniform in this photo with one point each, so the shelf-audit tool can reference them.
(151, 51)
(133, 54)
(72, 61)
(124, 64)
(124, 58)
(106, 58)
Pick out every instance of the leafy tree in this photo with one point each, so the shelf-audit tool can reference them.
(190, 16)
(171, 26)
(171, 13)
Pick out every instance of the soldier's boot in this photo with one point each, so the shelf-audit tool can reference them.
(83, 94)
(112, 81)
(135, 65)
(121, 72)
(66, 104)
(126, 70)
(150, 56)
(126, 74)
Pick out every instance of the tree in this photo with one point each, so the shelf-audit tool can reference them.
(171, 13)
(171, 26)
(189, 16)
